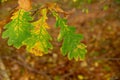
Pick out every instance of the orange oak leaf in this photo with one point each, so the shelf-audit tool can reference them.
(25, 4)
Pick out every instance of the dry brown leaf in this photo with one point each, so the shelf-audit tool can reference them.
(25, 4)
(54, 6)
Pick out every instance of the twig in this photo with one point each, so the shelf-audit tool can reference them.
(22, 63)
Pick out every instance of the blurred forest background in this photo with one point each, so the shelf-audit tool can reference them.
(97, 20)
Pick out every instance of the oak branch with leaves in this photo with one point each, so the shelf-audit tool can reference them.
(23, 30)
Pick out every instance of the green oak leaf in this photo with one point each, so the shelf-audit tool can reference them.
(19, 29)
(39, 43)
(71, 46)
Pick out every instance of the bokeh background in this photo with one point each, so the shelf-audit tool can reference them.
(97, 20)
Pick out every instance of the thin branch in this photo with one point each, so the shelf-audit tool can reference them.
(22, 63)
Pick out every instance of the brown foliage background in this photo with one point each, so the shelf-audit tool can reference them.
(100, 26)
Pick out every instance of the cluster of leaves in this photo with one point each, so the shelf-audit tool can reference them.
(21, 31)
(34, 35)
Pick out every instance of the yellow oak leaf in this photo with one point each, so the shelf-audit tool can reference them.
(36, 50)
